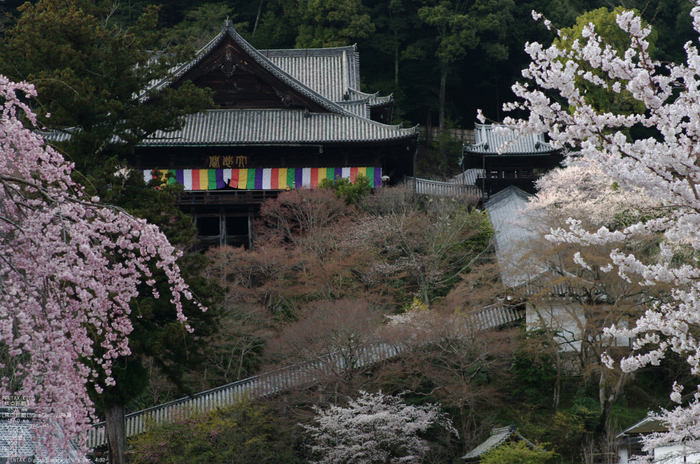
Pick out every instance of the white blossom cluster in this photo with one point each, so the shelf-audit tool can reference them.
(374, 428)
(663, 166)
(582, 190)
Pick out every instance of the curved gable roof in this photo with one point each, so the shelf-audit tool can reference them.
(489, 141)
(266, 69)
(330, 72)
(248, 127)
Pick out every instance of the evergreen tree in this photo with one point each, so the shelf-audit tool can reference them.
(94, 79)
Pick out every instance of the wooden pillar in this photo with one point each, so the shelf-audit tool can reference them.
(251, 229)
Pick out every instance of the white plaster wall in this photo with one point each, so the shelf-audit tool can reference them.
(567, 319)
(622, 457)
(560, 318)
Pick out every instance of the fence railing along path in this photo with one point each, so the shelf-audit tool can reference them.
(280, 380)
(448, 189)
(258, 386)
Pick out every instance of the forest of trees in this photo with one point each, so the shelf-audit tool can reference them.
(473, 49)
(442, 61)
(328, 276)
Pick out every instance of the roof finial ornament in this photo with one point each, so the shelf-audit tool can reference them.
(228, 24)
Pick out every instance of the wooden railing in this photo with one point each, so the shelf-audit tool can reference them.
(463, 135)
(449, 189)
(225, 197)
(280, 380)
(259, 386)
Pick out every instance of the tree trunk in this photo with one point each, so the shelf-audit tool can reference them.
(116, 433)
(441, 114)
(465, 427)
(443, 91)
(607, 400)
(257, 18)
(557, 381)
(498, 106)
(558, 362)
(396, 67)
(441, 110)
(428, 129)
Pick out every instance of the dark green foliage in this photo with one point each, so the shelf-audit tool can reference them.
(586, 410)
(9, 367)
(278, 26)
(157, 333)
(94, 76)
(203, 23)
(131, 379)
(351, 192)
(332, 23)
(245, 433)
(518, 452)
(533, 379)
(400, 50)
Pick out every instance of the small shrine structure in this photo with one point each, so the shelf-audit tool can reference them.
(502, 159)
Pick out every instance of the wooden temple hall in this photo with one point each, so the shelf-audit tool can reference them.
(284, 119)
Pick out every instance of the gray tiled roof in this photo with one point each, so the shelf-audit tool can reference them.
(373, 99)
(322, 75)
(229, 31)
(499, 435)
(488, 142)
(18, 440)
(231, 127)
(241, 127)
(505, 211)
(330, 72)
(519, 264)
(646, 426)
(360, 103)
(494, 316)
(468, 177)
(357, 107)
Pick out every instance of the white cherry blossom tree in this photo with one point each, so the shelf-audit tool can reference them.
(69, 267)
(374, 428)
(663, 164)
(595, 297)
(584, 191)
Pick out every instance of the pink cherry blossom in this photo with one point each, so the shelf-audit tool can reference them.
(69, 266)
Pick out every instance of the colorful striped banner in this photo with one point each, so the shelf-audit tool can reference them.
(260, 179)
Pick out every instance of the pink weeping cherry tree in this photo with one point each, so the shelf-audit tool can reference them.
(69, 267)
(663, 165)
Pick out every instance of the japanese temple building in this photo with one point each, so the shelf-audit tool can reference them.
(502, 160)
(283, 119)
